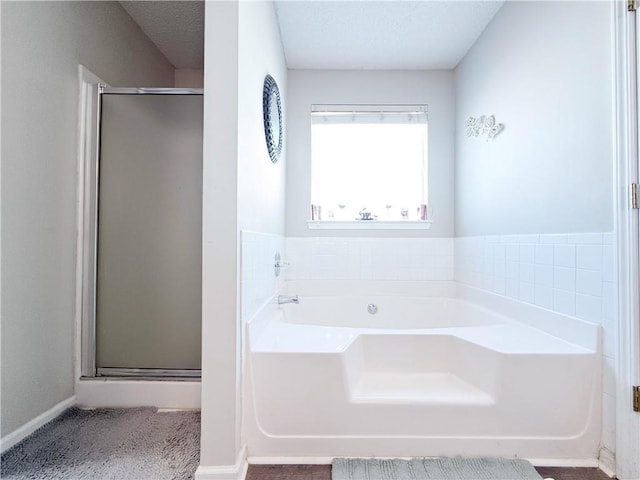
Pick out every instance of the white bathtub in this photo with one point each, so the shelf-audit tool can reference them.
(431, 373)
(393, 312)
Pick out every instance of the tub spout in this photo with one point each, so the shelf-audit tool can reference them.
(287, 299)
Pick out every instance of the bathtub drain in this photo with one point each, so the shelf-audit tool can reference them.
(372, 308)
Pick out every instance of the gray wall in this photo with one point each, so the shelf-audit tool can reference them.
(42, 45)
(307, 87)
(544, 70)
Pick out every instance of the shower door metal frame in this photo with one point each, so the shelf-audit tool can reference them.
(89, 225)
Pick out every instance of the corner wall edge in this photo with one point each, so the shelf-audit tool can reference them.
(238, 471)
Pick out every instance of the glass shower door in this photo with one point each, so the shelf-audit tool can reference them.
(149, 247)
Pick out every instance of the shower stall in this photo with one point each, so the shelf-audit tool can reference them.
(142, 290)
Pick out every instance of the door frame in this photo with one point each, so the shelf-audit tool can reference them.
(625, 124)
(86, 231)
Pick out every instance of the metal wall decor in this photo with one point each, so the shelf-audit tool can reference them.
(482, 126)
(272, 116)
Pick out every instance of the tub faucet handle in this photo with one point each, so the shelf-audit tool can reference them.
(279, 264)
(282, 299)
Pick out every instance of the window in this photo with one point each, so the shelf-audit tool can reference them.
(370, 159)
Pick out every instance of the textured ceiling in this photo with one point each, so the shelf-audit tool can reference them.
(388, 34)
(177, 28)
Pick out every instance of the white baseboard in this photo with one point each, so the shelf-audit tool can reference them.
(115, 393)
(225, 472)
(28, 428)
(607, 462)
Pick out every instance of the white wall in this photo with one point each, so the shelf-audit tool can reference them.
(307, 87)
(42, 45)
(243, 190)
(525, 199)
(544, 70)
(220, 331)
(261, 184)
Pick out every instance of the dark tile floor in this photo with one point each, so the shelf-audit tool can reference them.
(323, 472)
(289, 472)
(572, 473)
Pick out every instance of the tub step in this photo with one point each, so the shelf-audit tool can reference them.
(422, 388)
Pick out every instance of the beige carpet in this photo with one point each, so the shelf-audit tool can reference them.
(109, 444)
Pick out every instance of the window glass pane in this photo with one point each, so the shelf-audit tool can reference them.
(369, 164)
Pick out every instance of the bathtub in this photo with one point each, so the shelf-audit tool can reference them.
(433, 369)
(391, 312)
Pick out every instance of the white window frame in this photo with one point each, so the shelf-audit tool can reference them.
(332, 224)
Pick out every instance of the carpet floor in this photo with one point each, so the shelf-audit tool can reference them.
(141, 443)
(109, 444)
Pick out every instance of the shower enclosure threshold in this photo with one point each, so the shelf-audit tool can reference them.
(138, 391)
(156, 373)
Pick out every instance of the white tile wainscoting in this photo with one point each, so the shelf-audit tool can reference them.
(572, 274)
(370, 258)
(258, 280)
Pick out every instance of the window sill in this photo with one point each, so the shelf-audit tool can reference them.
(369, 224)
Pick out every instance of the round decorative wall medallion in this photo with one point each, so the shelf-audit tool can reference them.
(272, 115)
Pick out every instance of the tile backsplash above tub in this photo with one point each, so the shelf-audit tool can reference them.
(370, 258)
(568, 273)
(258, 280)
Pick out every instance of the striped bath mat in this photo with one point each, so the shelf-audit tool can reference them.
(444, 468)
